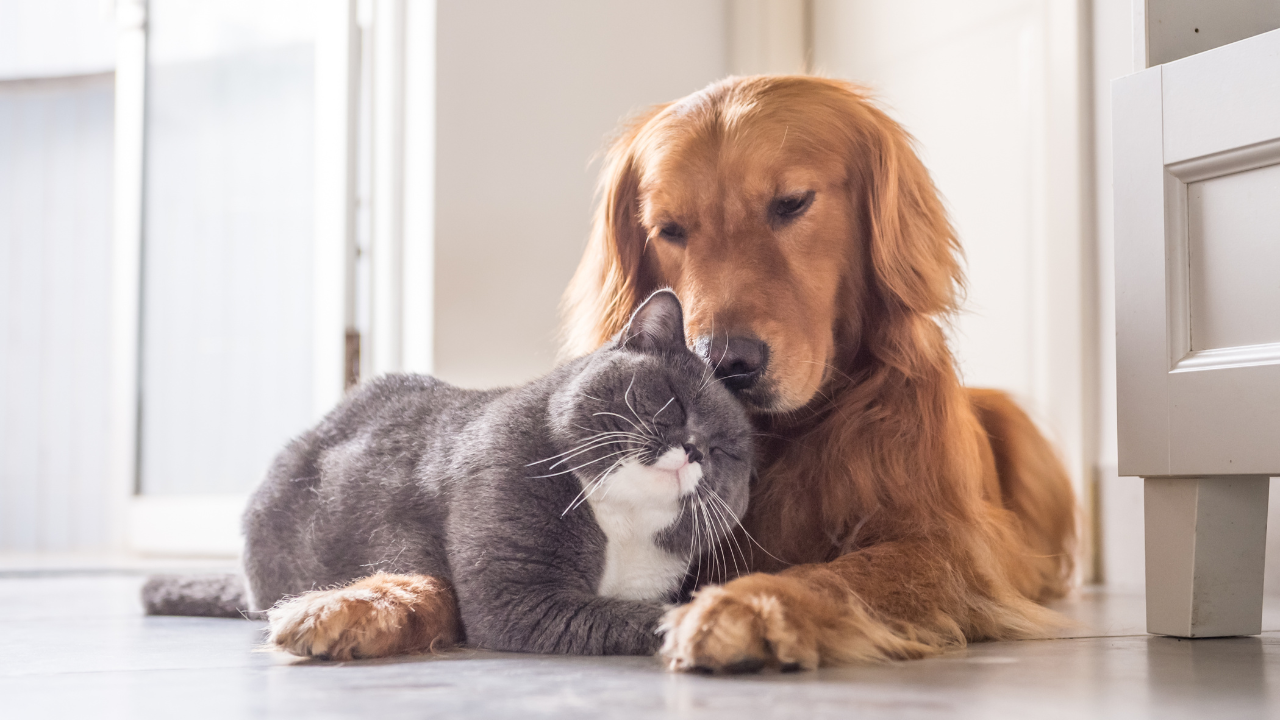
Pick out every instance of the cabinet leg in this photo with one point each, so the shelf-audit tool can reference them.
(1206, 539)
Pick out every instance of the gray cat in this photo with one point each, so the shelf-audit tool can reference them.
(564, 513)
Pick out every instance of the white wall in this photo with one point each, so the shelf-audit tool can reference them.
(527, 94)
(989, 90)
(54, 38)
(1120, 499)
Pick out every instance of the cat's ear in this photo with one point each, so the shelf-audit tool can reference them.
(658, 324)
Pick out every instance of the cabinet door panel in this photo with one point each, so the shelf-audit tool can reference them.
(1233, 238)
(1198, 263)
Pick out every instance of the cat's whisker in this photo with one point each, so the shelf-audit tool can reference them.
(592, 430)
(695, 554)
(626, 397)
(730, 525)
(578, 499)
(709, 377)
(578, 450)
(712, 545)
(703, 552)
(693, 545)
(632, 436)
(602, 444)
(748, 535)
(598, 446)
(729, 536)
(709, 538)
(732, 548)
(710, 347)
(594, 485)
(579, 467)
(731, 528)
(664, 407)
(606, 476)
(642, 427)
(570, 470)
(610, 485)
(695, 550)
(641, 430)
(710, 373)
(588, 439)
(721, 549)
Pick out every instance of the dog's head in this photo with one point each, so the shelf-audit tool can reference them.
(792, 218)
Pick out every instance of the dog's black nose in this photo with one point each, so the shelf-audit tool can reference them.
(692, 453)
(738, 362)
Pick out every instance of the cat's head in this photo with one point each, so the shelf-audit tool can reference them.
(646, 422)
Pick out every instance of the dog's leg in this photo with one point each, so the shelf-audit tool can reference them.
(378, 616)
(890, 601)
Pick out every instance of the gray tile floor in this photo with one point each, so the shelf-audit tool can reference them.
(78, 646)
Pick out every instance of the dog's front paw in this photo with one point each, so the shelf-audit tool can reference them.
(744, 626)
(375, 617)
(760, 621)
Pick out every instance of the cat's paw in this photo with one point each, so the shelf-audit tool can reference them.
(744, 626)
(378, 616)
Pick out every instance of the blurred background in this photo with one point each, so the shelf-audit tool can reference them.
(215, 215)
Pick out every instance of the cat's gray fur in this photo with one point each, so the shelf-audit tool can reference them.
(412, 475)
(202, 595)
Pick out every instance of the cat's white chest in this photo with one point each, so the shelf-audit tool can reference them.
(634, 504)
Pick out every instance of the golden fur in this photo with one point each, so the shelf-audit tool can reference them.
(900, 512)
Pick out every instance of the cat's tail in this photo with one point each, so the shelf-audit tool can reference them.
(200, 595)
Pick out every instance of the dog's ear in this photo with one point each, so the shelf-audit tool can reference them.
(609, 282)
(914, 251)
(657, 325)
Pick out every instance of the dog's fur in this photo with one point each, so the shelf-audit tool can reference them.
(898, 512)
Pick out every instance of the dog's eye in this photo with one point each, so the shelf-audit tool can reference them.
(787, 208)
(672, 233)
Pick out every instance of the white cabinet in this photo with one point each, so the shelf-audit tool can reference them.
(1197, 208)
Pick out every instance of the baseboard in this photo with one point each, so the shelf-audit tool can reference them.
(186, 525)
(1120, 526)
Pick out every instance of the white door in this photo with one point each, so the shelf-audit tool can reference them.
(1197, 183)
(233, 253)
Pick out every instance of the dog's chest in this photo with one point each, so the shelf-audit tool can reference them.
(632, 506)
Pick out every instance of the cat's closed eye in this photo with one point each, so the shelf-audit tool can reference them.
(671, 415)
(716, 450)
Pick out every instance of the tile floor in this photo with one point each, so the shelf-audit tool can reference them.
(75, 644)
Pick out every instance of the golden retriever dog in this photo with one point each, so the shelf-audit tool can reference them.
(895, 512)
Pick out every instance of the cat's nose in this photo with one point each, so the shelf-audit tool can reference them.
(692, 453)
(738, 362)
